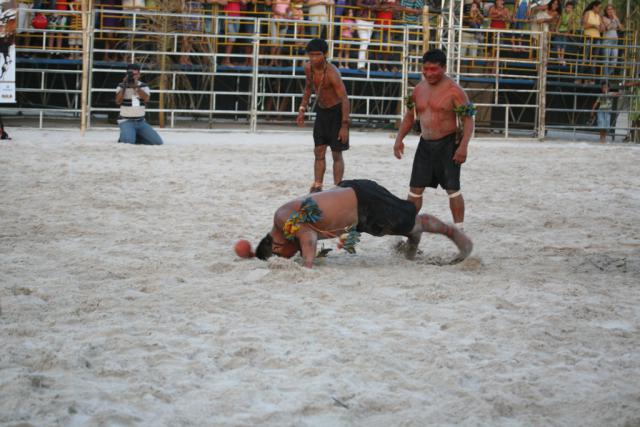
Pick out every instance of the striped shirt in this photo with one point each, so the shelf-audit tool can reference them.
(132, 106)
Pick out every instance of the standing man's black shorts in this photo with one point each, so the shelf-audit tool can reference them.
(433, 164)
(327, 127)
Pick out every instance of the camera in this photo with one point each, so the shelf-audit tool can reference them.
(130, 79)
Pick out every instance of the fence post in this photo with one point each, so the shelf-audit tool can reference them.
(542, 85)
(253, 113)
(87, 5)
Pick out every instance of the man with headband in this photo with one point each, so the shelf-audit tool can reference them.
(353, 207)
(331, 127)
(439, 103)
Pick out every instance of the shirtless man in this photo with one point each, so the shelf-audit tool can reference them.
(360, 205)
(331, 127)
(439, 155)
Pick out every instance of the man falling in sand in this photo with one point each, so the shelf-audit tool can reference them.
(354, 206)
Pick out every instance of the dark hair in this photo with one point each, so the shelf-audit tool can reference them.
(133, 66)
(435, 56)
(569, 3)
(317, 45)
(264, 250)
(591, 5)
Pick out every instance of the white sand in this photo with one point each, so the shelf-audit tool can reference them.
(123, 303)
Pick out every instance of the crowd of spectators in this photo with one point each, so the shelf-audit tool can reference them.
(362, 28)
(592, 35)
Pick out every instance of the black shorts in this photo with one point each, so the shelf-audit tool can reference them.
(327, 127)
(380, 213)
(433, 164)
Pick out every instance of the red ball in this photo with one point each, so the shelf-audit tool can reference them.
(39, 22)
(243, 249)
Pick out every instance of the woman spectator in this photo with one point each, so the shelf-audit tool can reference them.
(470, 40)
(365, 15)
(384, 16)
(190, 24)
(610, 38)
(318, 13)
(566, 27)
(499, 17)
(280, 9)
(592, 27)
(109, 21)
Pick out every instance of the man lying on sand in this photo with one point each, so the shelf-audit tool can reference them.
(352, 207)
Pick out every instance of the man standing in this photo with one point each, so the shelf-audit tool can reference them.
(331, 127)
(438, 103)
(131, 96)
(354, 206)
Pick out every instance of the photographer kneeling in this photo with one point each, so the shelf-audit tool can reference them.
(131, 96)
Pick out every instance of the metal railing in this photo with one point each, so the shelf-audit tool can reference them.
(515, 79)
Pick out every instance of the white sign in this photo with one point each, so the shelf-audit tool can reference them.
(8, 14)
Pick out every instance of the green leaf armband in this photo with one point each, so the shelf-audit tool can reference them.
(468, 109)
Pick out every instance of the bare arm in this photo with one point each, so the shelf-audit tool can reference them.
(405, 127)
(341, 92)
(305, 95)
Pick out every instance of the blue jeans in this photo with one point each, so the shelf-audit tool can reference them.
(138, 132)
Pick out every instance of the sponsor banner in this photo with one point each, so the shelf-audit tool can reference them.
(8, 15)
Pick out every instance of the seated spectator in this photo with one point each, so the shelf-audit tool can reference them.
(132, 96)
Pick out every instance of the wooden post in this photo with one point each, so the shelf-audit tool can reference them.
(86, 7)
(163, 68)
(426, 33)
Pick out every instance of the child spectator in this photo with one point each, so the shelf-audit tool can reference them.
(347, 27)
(604, 104)
(566, 27)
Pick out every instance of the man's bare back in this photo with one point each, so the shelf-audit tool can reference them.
(339, 211)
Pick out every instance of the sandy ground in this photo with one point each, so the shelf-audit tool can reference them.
(122, 302)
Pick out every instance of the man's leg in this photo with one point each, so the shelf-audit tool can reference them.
(415, 197)
(319, 166)
(147, 135)
(430, 224)
(338, 166)
(456, 204)
(127, 132)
